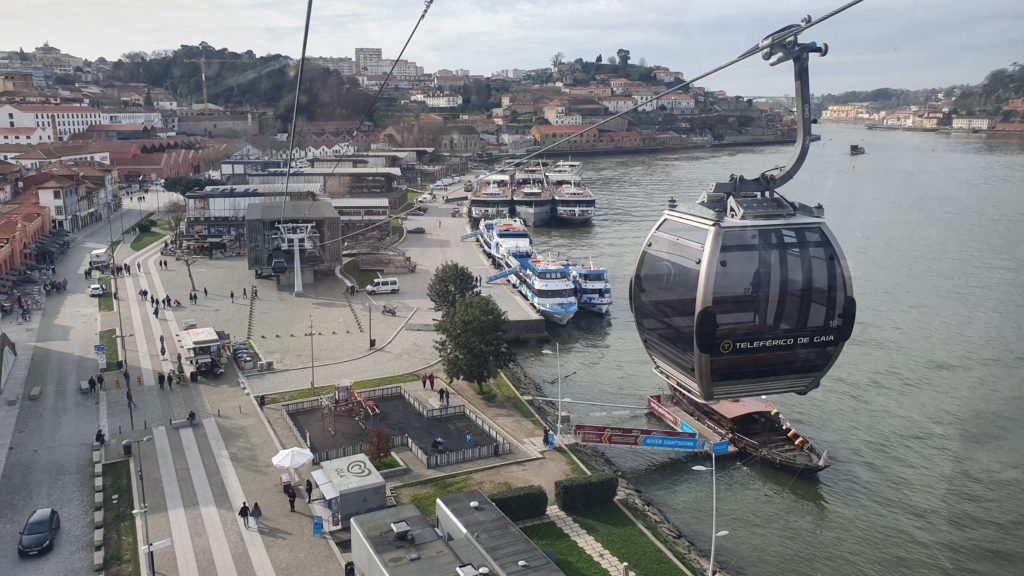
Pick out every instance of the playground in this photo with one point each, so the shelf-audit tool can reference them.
(338, 422)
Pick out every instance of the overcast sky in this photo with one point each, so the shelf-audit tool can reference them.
(902, 44)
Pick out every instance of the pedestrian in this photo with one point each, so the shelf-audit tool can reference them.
(127, 378)
(440, 397)
(152, 300)
(430, 379)
(244, 513)
(131, 399)
(447, 397)
(423, 380)
(205, 293)
(469, 438)
(256, 514)
(438, 224)
(309, 490)
(245, 295)
(160, 379)
(156, 312)
(99, 380)
(138, 266)
(255, 294)
(92, 385)
(170, 380)
(232, 296)
(291, 498)
(101, 438)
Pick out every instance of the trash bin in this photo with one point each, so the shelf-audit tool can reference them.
(126, 447)
(120, 365)
(373, 342)
(193, 376)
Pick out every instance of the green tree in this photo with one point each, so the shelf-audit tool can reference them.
(450, 283)
(623, 57)
(598, 59)
(472, 344)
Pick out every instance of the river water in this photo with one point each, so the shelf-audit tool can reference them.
(921, 413)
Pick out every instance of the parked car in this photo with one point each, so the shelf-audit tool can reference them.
(382, 286)
(96, 290)
(416, 230)
(420, 210)
(424, 198)
(39, 531)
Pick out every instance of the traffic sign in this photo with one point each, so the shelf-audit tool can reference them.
(99, 348)
(720, 447)
(642, 440)
(666, 442)
(633, 431)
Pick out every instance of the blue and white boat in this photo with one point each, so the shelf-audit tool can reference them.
(546, 284)
(593, 290)
(504, 240)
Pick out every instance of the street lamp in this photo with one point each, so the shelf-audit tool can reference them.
(714, 511)
(120, 323)
(150, 564)
(312, 372)
(558, 367)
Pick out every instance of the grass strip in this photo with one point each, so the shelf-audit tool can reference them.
(569, 557)
(304, 393)
(362, 277)
(114, 246)
(120, 544)
(506, 390)
(610, 526)
(106, 301)
(386, 463)
(145, 239)
(574, 466)
(109, 339)
(425, 494)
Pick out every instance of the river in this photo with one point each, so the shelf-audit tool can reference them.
(921, 412)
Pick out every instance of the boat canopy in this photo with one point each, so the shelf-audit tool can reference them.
(738, 407)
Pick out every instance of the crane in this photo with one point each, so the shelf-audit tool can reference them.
(202, 70)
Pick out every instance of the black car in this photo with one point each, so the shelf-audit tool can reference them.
(39, 531)
(417, 230)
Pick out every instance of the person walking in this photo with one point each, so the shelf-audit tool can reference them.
(440, 397)
(255, 293)
(99, 380)
(469, 438)
(138, 266)
(291, 498)
(447, 397)
(156, 312)
(256, 514)
(170, 380)
(430, 379)
(232, 294)
(423, 380)
(245, 294)
(160, 379)
(205, 293)
(92, 385)
(244, 513)
(309, 490)
(131, 399)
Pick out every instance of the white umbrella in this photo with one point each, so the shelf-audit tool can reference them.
(292, 458)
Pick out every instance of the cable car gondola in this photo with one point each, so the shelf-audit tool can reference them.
(748, 293)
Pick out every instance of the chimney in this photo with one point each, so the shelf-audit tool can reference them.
(53, 128)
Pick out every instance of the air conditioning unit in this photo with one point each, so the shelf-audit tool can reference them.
(269, 364)
(401, 530)
(467, 570)
(262, 366)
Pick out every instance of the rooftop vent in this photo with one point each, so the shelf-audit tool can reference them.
(474, 505)
(401, 530)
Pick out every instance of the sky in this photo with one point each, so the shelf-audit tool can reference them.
(895, 43)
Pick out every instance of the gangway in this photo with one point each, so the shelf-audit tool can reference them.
(469, 235)
(500, 275)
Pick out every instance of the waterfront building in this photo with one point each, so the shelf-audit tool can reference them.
(973, 123)
(215, 215)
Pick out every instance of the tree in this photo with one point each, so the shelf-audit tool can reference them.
(175, 210)
(378, 443)
(450, 283)
(472, 344)
(612, 61)
(557, 59)
(598, 59)
(623, 55)
(642, 62)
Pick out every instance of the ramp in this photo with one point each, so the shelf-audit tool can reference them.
(469, 235)
(500, 275)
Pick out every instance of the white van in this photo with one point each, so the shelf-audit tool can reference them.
(98, 258)
(382, 286)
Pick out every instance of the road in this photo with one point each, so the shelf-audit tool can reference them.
(49, 460)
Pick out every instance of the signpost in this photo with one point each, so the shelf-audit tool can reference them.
(647, 438)
(634, 431)
(158, 545)
(318, 525)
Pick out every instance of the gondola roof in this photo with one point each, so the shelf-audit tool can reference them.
(738, 407)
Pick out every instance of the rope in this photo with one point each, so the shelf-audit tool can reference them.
(295, 106)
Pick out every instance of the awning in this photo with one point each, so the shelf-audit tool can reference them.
(325, 485)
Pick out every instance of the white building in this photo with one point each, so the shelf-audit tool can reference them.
(439, 101)
(65, 119)
(647, 103)
(974, 123)
(557, 115)
(677, 103)
(25, 136)
(119, 117)
(616, 104)
(166, 105)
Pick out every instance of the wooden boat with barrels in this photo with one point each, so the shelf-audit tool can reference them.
(754, 426)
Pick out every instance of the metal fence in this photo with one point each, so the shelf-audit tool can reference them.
(466, 454)
(446, 411)
(343, 451)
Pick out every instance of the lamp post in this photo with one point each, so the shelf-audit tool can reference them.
(558, 367)
(150, 564)
(120, 322)
(714, 512)
(312, 372)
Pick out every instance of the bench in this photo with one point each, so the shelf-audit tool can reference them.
(35, 393)
(184, 423)
(83, 386)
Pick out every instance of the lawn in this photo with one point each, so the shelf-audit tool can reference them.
(574, 466)
(423, 494)
(569, 557)
(119, 539)
(397, 230)
(109, 339)
(114, 246)
(145, 239)
(362, 277)
(386, 463)
(303, 393)
(610, 526)
(506, 390)
(106, 301)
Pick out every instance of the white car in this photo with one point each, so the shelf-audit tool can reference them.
(95, 290)
(423, 199)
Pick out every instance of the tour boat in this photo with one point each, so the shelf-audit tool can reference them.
(574, 202)
(531, 196)
(492, 198)
(593, 291)
(546, 285)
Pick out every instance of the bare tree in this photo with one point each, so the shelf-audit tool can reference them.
(557, 59)
(378, 443)
(176, 213)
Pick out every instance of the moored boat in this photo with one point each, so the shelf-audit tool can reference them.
(531, 196)
(574, 202)
(856, 150)
(505, 239)
(492, 198)
(593, 290)
(546, 285)
(754, 426)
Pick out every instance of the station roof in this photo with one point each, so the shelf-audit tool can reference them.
(359, 202)
(292, 210)
(254, 190)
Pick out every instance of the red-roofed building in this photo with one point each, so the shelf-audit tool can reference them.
(9, 174)
(62, 120)
(56, 193)
(25, 136)
(20, 227)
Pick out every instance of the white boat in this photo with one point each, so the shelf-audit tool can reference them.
(531, 196)
(493, 198)
(546, 285)
(574, 202)
(593, 290)
(504, 240)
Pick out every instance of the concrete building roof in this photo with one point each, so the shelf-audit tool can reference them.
(255, 190)
(359, 202)
(421, 554)
(394, 172)
(293, 210)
